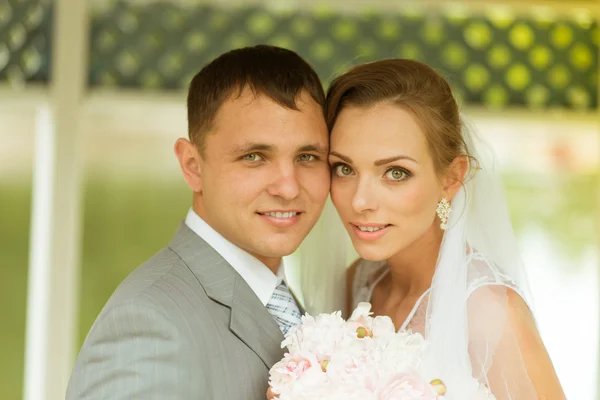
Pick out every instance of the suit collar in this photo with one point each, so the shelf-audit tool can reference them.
(257, 275)
(250, 321)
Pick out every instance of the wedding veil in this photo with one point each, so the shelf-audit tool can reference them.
(317, 270)
(467, 323)
(468, 315)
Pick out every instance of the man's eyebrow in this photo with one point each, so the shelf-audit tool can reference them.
(318, 148)
(254, 146)
(250, 147)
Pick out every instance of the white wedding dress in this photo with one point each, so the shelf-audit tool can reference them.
(480, 271)
(488, 340)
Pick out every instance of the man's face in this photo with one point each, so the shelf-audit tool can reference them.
(264, 174)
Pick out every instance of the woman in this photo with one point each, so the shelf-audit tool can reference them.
(429, 221)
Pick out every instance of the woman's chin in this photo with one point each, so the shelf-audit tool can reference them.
(371, 252)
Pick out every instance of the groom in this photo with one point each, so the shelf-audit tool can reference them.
(204, 318)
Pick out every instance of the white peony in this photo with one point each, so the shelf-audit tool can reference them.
(320, 335)
(363, 358)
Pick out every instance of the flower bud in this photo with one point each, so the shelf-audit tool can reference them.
(324, 365)
(438, 386)
(363, 332)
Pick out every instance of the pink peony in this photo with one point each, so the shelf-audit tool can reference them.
(408, 386)
(291, 368)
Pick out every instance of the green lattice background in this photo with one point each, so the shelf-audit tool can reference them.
(24, 41)
(491, 60)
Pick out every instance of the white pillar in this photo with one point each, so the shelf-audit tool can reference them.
(56, 217)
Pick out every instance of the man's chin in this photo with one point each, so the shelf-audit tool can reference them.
(279, 252)
(280, 249)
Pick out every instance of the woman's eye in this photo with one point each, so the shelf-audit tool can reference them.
(252, 157)
(342, 170)
(396, 174)
(306, 157)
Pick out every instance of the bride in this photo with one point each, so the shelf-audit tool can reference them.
(427, 216)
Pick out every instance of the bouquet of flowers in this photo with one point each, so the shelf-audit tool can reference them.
(362, 358)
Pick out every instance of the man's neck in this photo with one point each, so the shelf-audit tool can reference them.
(271, 263)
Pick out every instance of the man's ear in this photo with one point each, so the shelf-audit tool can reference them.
(190, 162)
(455, 176)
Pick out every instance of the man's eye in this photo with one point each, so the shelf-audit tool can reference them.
(252, 157)
(306, 157)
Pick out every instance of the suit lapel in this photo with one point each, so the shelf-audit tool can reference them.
(250, 321)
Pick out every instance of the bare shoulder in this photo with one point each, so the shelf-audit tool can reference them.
(503, 309)
(535, 356)
(519, 314)
(499, 302)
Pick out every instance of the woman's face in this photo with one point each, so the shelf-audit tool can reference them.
(384, 184)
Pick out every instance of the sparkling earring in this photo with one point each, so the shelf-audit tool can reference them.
(443, 211)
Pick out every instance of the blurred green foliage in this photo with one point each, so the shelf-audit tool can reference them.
(125, 223)
(15, 206)
(564, 205)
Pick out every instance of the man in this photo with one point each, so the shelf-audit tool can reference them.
(204, 318)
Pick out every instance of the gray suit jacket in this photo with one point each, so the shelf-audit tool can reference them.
(184, 325)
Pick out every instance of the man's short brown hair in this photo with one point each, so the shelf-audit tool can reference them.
(275, 72)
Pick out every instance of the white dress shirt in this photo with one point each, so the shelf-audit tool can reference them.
(257, 275)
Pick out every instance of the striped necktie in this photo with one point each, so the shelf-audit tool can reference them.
(284, 309)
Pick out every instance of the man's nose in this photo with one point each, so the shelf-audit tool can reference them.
(285, 183)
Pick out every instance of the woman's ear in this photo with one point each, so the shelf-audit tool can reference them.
(455, 176)
(190, 162)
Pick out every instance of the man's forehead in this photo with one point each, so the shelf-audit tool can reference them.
(249, 96)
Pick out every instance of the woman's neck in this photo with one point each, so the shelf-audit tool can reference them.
(412, 269)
